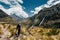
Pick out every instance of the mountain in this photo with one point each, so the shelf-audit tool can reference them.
(47, 17)
(5, 17)
(3, 14)
(18, 18)
(14, 6)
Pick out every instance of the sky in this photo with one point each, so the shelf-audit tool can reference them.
(31, 4)
(25, 8)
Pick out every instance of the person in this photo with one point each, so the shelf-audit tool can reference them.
(18, 29)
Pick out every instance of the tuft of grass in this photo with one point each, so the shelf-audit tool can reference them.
(53, 32)
(0, 31)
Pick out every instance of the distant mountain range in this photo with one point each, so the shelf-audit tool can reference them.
(16, 17)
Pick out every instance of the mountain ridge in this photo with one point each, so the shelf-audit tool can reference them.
(5, 18)
(47, 17)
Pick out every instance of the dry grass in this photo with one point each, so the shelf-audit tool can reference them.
(38, 33)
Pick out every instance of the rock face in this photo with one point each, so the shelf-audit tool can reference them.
(47, 17)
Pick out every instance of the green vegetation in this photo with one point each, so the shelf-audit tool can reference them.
(54, 31)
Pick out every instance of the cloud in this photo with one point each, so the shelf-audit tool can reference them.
(20, 1)
(18, 11)
(7, 1)
(14, 8)
(49, 4)
(32, 11)
(37, 9)
(53, 2)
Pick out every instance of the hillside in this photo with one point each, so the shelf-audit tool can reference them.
(5, 17)
(3, 14)
(47, 17)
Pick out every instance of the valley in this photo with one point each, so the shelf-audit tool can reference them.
(45, 25)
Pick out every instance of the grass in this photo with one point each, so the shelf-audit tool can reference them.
(0, 30)
(53, 32)
(38, 33)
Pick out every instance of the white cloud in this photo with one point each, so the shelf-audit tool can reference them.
(14, 8)
(49, 4)
(37, 9)
(53, 2)
(6, 1)
(32, 11)
(20, 1)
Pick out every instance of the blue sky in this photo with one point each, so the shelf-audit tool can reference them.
(27, 5)
(32, 4)
(6, 6)
(25, 8)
